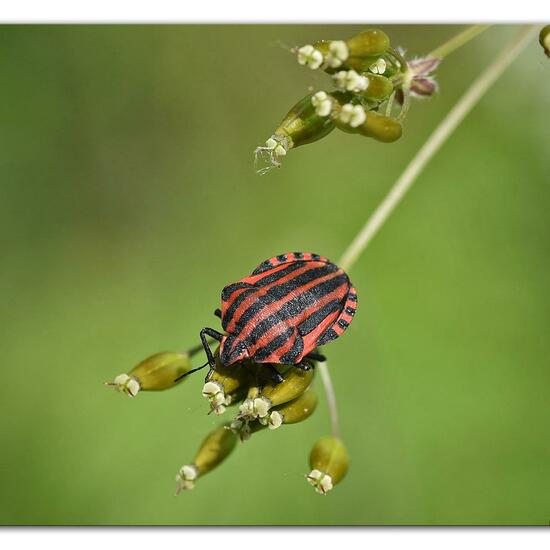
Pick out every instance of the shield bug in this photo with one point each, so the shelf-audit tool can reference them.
(288, 306)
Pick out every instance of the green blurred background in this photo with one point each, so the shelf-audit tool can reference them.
(128, 200)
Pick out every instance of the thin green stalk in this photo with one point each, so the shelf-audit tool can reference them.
(458, 41)
(438, 137)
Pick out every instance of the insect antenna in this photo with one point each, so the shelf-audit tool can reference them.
(191, 372)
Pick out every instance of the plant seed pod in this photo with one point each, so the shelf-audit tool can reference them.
(329, 463)
(544, 39)
(292, 412)
(370, 43)
(306, 122)
(378, 89)
(157, 372)
(214, 449)
(224, 384)
(303, 125)
(296, 381)
(381, 128)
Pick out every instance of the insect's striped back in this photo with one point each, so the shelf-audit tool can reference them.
(288, 304)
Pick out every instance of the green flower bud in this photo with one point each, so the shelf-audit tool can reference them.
(379, 88)
(214, 449)
(292, 412)
(306, 122)
(295, 382)
(258, 403)
(381, 128)
(329, 464)
(303, 125)
(544, 39)
(225, 385)
(372, 42)
(158, 372)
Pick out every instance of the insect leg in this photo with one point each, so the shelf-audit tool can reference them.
(213, 334)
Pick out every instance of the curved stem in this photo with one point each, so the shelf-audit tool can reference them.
(438, 137)
(331, 398)
(457, 41)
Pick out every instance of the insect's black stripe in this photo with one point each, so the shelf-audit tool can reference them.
(298, 304)
(264, 266)
(272, 346)
(264, 281)
(343, 324)
(350, 311)
(327, 336)
(291, 356)
(352, 297)
(282, 258)
(298, 255)
(315, 319)
(272, 277)
(229, 289)
(279, 291)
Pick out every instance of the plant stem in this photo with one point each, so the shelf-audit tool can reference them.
(457, 41)
(331, 398)
(438, 137)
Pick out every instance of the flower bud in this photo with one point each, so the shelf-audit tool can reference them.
(378, 89)
(306, 122)
(544, 39)
(303, 125)
(224, 384)
(381, 128)
(214, 449)
(329, 464)
(158, 372)
(292, 412)
(373, 42)
(295, 383)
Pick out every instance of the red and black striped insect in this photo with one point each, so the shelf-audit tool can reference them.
(288, 306)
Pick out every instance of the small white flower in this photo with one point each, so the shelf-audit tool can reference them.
(352, 115)
(275, 420)
(218, 409)
(185, 480)
(125, 384)
(337, 53)
(351, 81)
(378, 67)
(270, 144)
(254, 408)
(269, 154)
(309, 56)
(321, 481)
(213, 391)
(322, 103)
(261, 407)
(210, 389)
(279, 151)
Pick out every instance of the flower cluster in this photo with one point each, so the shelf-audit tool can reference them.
(266, 397)
(369, 77)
